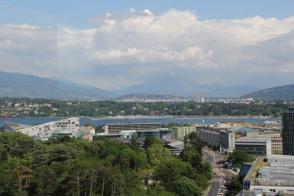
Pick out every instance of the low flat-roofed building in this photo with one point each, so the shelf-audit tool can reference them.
(117, 128)
(270, 175)
(256, 146)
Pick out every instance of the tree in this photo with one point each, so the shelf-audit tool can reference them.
(156, 153)
(234, 186)
(44, 182)
(150, 140)
(186, 187)
(238, 157)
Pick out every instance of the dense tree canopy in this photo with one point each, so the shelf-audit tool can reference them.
(103, 167)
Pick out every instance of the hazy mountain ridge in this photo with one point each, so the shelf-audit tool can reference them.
(285, 92)
(22, 85)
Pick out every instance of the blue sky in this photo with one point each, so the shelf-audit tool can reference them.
(76, 13)
(186, 43)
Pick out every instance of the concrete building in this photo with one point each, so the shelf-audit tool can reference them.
(64, 126)
(270, 175)
(181, 132)
(117, 128)
(288, 132)
(275, 137)
(209, 135)
(227, 141)
(256, 146)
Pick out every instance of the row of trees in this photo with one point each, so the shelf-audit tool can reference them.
(104, 167)
(113, 108)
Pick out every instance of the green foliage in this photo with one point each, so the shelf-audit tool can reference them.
(238, 157)
(234, 186)
(150, 140)
(103, 167)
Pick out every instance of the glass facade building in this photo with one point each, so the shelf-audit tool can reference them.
(288, 132)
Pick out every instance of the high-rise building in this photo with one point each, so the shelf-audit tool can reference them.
(288, 132)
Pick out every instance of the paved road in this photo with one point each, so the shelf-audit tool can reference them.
(215, 186)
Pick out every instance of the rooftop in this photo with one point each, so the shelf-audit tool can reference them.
(273, 170)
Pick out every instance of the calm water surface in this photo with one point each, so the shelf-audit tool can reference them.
(144, 119)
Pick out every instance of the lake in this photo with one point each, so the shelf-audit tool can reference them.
(142, 119)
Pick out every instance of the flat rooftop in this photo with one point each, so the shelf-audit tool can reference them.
(272, 170)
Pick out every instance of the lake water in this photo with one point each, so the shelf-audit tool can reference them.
(142, 119)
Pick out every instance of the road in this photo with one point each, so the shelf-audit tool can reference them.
(219, 174)
(215, 186)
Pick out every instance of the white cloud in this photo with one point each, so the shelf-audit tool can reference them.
(171, 42)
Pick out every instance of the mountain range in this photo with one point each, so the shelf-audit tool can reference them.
(285, 92)
(22, 85)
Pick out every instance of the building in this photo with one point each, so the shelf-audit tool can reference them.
(162, 133)
(256, 146)
(175, 147)
(275, 137)
(277, 145)
(181, 132)
(270, 175)
(117, 128)
(64, 126)
(209, 135)
(288, 132)
(227, 141)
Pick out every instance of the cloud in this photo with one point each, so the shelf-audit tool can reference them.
(126, 50)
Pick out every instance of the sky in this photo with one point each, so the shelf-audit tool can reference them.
(114, 45)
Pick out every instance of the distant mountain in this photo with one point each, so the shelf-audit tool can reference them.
(169, 85)
(22, 85)
(285, 92)
(153, 97)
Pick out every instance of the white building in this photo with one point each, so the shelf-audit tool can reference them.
(69, 125)
(227, 141)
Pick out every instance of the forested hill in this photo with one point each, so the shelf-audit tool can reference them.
(285, 92)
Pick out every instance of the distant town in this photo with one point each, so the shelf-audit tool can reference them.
(21, 107)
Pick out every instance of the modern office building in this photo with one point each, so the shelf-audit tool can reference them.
(288, 132)
(270, 175)
(181, 132)
(227, 141)
(255, 146)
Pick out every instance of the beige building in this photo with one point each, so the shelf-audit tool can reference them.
(181, 132)
(276, 140)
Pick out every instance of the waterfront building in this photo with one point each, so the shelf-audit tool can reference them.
(64, 127)
(288, 132)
